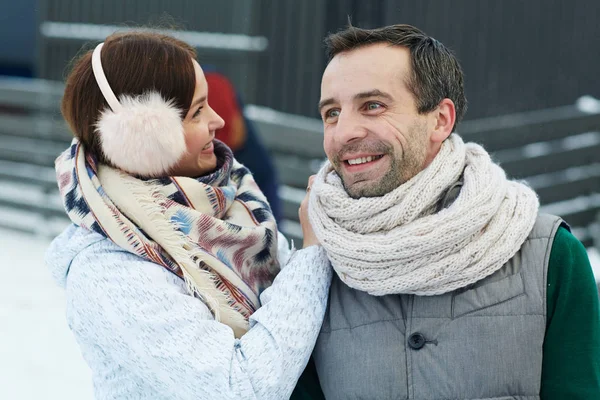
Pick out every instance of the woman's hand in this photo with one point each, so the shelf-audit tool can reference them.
(307, 232)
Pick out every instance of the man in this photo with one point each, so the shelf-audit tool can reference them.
(449, 284)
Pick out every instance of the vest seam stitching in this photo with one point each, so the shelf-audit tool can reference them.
(361, 325)
(555, 227)
(448, 318)
(538, 238)
(519, 273)
(408, 330)
(478, 316)
(489, 306)
(535, 396)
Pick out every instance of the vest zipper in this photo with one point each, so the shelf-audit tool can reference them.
(407, 350)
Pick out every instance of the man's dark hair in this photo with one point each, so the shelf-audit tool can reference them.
(435, 72)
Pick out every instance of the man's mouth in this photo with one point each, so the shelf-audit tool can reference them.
(362, 160)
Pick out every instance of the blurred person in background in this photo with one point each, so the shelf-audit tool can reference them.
(239, 134)
(171, 266)
(449, 283)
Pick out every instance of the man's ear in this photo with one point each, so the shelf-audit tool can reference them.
(445, 117)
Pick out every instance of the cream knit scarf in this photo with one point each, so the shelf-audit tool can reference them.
(400, 243)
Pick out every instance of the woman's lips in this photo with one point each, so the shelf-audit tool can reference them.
(208, 149)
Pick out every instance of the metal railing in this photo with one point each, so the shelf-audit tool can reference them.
(557, 151)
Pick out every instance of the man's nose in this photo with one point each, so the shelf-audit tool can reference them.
(349, 128)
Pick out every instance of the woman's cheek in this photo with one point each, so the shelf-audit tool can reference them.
(192, 141)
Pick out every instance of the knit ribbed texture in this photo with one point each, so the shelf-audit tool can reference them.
(398, 243)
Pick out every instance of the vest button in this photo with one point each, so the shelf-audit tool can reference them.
(416, 341)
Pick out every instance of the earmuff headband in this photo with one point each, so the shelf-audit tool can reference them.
(143, 134)
(107, 92)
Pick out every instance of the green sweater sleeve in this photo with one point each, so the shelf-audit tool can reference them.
(308, 387)
(571, 352)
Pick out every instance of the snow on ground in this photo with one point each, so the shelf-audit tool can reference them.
(39, 358)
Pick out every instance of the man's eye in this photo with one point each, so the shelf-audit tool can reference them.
(332, 113)
(373, 106)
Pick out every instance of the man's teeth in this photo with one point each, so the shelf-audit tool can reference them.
(207, 146)
(363, 160)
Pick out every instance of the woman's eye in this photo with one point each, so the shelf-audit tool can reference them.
(197, 113)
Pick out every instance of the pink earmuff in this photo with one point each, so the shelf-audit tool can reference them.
(142, 135)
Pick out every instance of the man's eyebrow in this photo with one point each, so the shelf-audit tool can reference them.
(325, 102)
(358, 96)
(373, 93)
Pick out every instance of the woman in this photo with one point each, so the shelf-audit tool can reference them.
(173, 248)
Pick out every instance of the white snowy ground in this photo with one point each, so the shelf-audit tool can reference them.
(39, 358)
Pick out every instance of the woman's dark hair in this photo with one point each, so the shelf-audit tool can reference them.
(134, 63)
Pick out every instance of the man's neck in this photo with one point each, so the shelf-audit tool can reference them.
(432, 154)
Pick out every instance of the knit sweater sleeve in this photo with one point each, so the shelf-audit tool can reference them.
(571, 361)
(145, 323)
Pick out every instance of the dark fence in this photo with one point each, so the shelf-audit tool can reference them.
(517, 55)
(65, 26)
(555, 150)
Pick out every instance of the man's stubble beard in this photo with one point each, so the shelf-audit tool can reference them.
(403, 167)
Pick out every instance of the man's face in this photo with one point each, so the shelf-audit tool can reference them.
(374, 137)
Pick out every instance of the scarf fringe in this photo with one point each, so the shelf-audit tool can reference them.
(148, 214)
(225, 253)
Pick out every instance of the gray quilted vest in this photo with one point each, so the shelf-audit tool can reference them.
(480, 342)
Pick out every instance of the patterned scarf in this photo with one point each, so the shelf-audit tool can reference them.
(216, 232)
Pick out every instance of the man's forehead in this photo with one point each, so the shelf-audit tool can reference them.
(373, 55)
(379, 66)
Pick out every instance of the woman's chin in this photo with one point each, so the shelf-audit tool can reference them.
(201, 166)
(207, 164)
